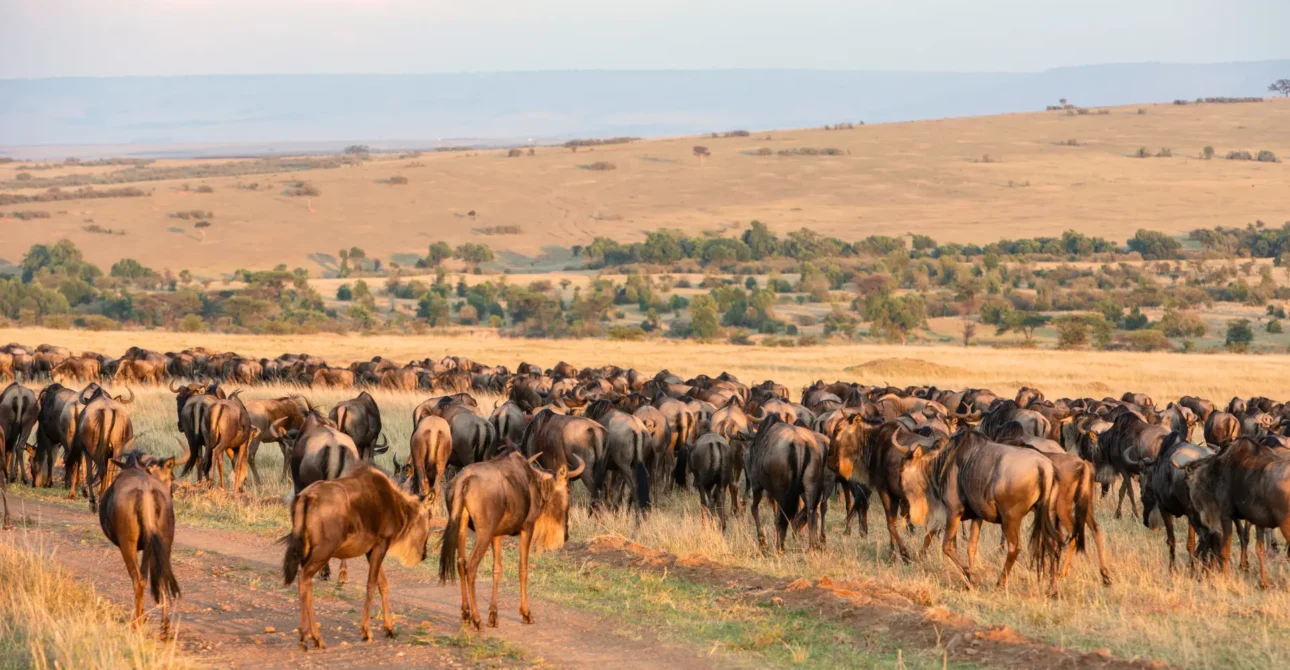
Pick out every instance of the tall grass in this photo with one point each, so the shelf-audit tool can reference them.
(48, 619)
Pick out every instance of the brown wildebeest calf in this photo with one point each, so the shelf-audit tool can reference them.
(137, 515)
(505, 496)
(362, 513)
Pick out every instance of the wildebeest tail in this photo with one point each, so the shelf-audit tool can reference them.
(458, 523)
(799, 457)
(640, 472)
(156, 549)
(297, 540)
(1045, 539)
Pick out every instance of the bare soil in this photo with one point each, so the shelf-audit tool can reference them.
(234, 611)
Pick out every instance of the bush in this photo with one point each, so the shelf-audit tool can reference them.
(1239, 335)
(345, 293)
(1146, 340)
(626, 333)
(1240, 155)
(514, 153)
(1165, 153)
(600, 166)
(204, 189)
(192, 323)
(1274, 327)
(1266, 156)
(1072, 331)
(97, 322)
(1154, 245)
(1207, 153)
(765, 151)
(301, 189)
(397, 180)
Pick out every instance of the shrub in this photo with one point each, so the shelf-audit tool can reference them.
(1207, 153)
(301, 189)
(600, 166)
(192, 323)
(514, 153)
(97, 322)
(1143, 153)
(764, 151)
(1165, 153)
(23, 176)
(808, 151)
(626, 333)
(204, 189)
(27, 215)
(398, 180)
(1240, 155)
(1274, 327)
(500, 230)
(1072, 331)
(1146, 340)
(191, 214)
(1239, 335)
(345, 293)
(1154, 245)
(1266, 156)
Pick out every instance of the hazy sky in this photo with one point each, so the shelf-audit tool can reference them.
(41, 38)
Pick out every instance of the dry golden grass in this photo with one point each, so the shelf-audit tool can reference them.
(896, 178)
(49, 619)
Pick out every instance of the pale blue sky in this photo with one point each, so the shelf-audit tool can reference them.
(41, 38)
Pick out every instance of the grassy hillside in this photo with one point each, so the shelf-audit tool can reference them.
(926, 177)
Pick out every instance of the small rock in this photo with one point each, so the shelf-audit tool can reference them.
(270, 629)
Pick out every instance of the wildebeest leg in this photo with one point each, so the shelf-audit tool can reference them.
(526, 540)
(387, 621)
(892, 511)
(704, 504)
(286, 461)
(756, 515)
(1243, 530)
(782, 523)
(251, 450)
(90, 472)
(462, 533)
(1170, 539)
(472, 570)
(344, 573)
(127, 540)
(824, 511)
(949, 544)
(974, 537)
(1259, 550)
(497, 581)
(374, 559)
(1011, 532)
(308, 625)
(846, 505)
(720, 498)
(1191, 548)
(1124, 490)
(1225, 547)
(1101, 550)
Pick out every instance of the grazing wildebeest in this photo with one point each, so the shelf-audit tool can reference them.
(264, 413)
(428, 452)
(1165, 495)
(55, 426)
(18, 412)
(137, 515)
(362, 513)
(712, 465)
(1122, 449)
(508, 421)
(502, 497)
(319, 450)
(360, 419)
(871, 452)
(556, 439)
(473, 437)
(226, 427)
(103, 432)
(978, 480)
(192, 402)
(1248, 481)
(625, 437)
(785, 463)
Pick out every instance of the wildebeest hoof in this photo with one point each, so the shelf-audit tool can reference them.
(477, 625)
(1106, 579)
(389, 633)
(367, 635)
(492, 619)
(526, 617)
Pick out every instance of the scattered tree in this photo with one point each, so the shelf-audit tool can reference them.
(1281, 86)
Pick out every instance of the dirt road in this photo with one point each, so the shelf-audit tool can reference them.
(236, 613)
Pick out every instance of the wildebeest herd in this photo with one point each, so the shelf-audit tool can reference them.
(935, 458)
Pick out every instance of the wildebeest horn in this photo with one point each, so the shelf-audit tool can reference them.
(184, 446)
(577, 471)
(397, 467)
(126, 402)
(380, 448)
(171, 386)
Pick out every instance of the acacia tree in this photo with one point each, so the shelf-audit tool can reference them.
(1023, 322)
(1281, 86)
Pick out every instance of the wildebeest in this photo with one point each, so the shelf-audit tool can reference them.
(1122, 450)
(625, 437)
(1248, 481)
(1222, 428)
(556, 439)
(226, 427)
(137, 515)
(264, 413)
(977, 480)
(786, 464)
(361, 513)
(505, 496)
(360, 418)
(103, 432)
(428, 452)
(319, 451)
(713, 469)
(55, 426)
(1165, 495)
(473, 436)
(18, 412)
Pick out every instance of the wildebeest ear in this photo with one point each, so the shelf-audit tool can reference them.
(123, 464)
(562, 471)
(915, 453)
(167, 464)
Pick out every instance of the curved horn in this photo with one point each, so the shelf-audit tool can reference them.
(127, 402)
(183, 445)
(573, 474)
(171, 386)
(534, 457)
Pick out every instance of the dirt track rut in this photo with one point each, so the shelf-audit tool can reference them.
(236, 613)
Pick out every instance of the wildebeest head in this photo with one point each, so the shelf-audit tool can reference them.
(552, 525)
